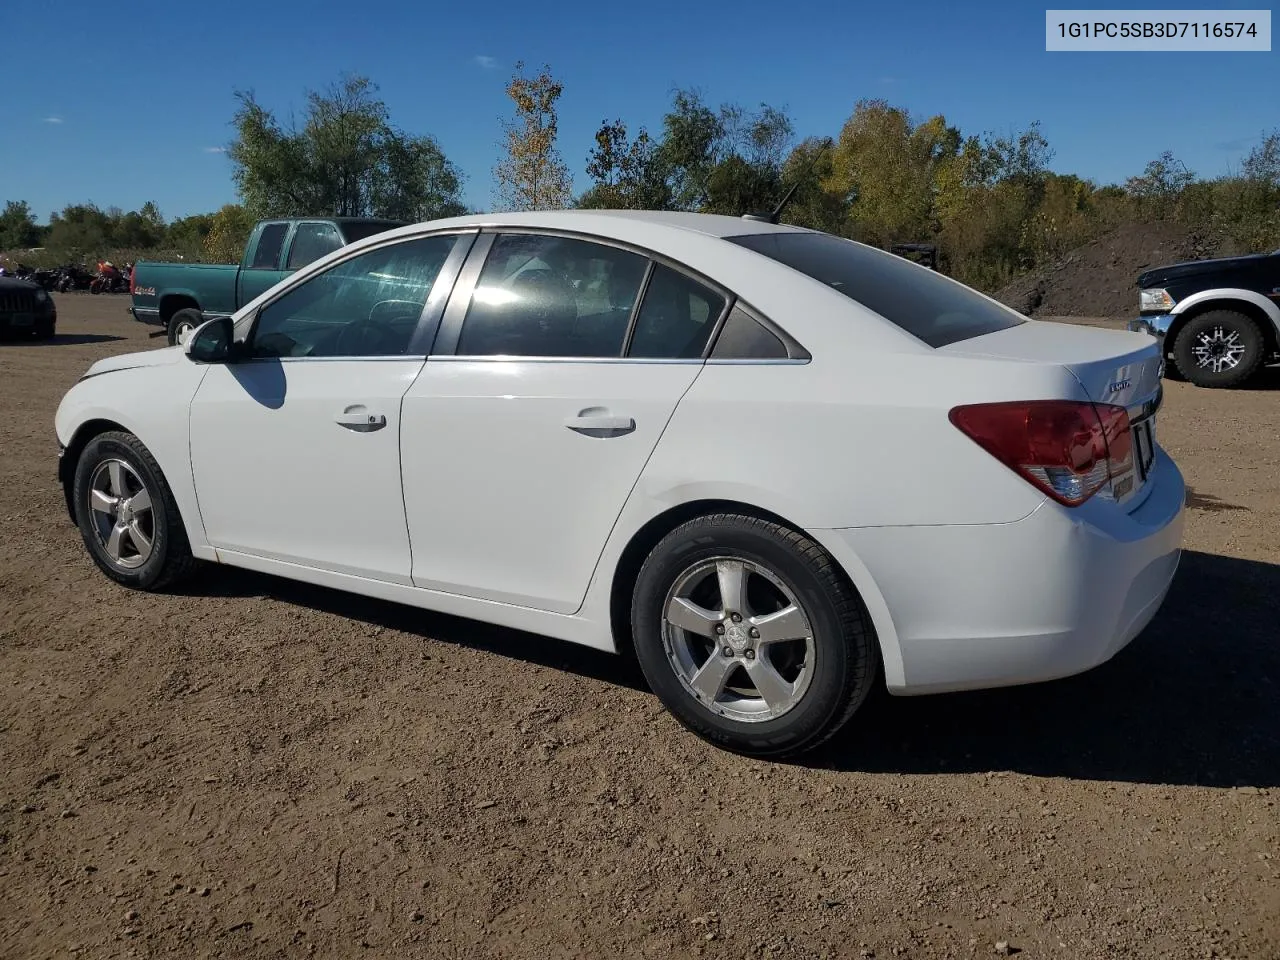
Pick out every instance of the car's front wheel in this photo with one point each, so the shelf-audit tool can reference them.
(1219, 348)
(182, 323)
(751, 635)
(127, 515)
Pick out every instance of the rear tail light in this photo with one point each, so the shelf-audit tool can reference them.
(133, 274)
(1067, 449)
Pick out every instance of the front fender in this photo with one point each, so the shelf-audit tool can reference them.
(153, 403)
(1266, 305)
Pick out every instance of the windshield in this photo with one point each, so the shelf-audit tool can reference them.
(925, 304)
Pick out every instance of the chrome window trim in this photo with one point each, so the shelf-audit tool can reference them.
(515, 358)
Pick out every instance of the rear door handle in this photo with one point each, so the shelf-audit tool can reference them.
(594, 423)
(359, 419)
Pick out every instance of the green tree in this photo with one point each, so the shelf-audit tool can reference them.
(229, 230)
(628, 174)
(531, 174)
(80, 230)
(18, 228)
(346, 159)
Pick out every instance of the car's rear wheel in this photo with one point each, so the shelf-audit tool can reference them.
(1219, 348)
(182, 323)
(751, 635)
(127, 515)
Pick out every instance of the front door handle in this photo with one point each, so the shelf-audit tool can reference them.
(594, 422)
(359, 419)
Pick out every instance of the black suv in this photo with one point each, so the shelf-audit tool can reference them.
(26, 309)
(1219, 319)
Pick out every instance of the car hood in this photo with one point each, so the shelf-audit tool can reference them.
(145, 358)
(1194, 268)
(14, 284)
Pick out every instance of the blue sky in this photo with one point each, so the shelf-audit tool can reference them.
(134, 108)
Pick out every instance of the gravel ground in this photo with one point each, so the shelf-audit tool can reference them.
(252, 767)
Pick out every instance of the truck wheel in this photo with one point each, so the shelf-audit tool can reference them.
(1220, 348)
(182, 323)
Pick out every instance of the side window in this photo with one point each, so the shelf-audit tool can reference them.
(548, 296)
(311, 241)
(676, 317)
(270, 240)
(745, 338)
(368, 306)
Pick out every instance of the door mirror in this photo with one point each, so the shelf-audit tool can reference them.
(212, 341)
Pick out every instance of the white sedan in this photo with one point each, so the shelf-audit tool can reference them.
(777, 464)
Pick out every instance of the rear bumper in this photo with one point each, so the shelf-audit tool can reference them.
(1155, 324)
(1054, 594)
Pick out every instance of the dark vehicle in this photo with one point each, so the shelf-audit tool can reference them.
(181, 296)
(925, 254)
(72, 277)
(26, 310)
(1219, 320)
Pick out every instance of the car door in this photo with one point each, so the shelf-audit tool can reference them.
(264, 264)
(531, 422)
(295, 445)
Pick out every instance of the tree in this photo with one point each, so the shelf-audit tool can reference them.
(628, 174)
(890, 166)
(347, 159)
(18, 229)
(1263, 163)
(531, 175)
(1160, 184)
(228, 233)
(80, 229)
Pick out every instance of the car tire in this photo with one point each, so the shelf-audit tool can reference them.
(145, 546)
(1219, 348)
(826, 671)
(186, 320)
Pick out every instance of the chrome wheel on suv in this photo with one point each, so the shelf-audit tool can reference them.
(1219, 348)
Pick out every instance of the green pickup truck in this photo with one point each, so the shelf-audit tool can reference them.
(180, 296)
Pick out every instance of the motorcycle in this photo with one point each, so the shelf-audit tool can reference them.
(109, 279)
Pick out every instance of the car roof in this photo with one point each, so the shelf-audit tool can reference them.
(610, 221)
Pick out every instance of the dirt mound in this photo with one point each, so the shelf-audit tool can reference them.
(1099, 279)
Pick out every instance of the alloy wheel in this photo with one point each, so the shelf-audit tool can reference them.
(738, 639)
(1219, 349)
(121, 514)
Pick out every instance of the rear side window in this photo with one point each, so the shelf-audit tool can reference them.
(746, 338)
(676, 317)
(270, 242)
(923, 303)
(311, 241)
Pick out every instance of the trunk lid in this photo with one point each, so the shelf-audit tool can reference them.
(1113, 366)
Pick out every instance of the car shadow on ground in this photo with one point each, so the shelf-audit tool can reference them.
(1194, 700)
(59, 340)
(444, 628)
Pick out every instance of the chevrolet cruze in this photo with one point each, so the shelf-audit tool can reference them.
(780, 466)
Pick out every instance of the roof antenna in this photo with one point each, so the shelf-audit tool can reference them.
(775, 215)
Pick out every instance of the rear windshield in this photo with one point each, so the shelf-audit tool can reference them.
(920, 301)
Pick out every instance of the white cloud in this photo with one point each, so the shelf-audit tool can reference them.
(215, 149)
(486, 62)
(52, 120)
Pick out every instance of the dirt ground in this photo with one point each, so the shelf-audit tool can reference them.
(1099, 278)
(255, 768)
